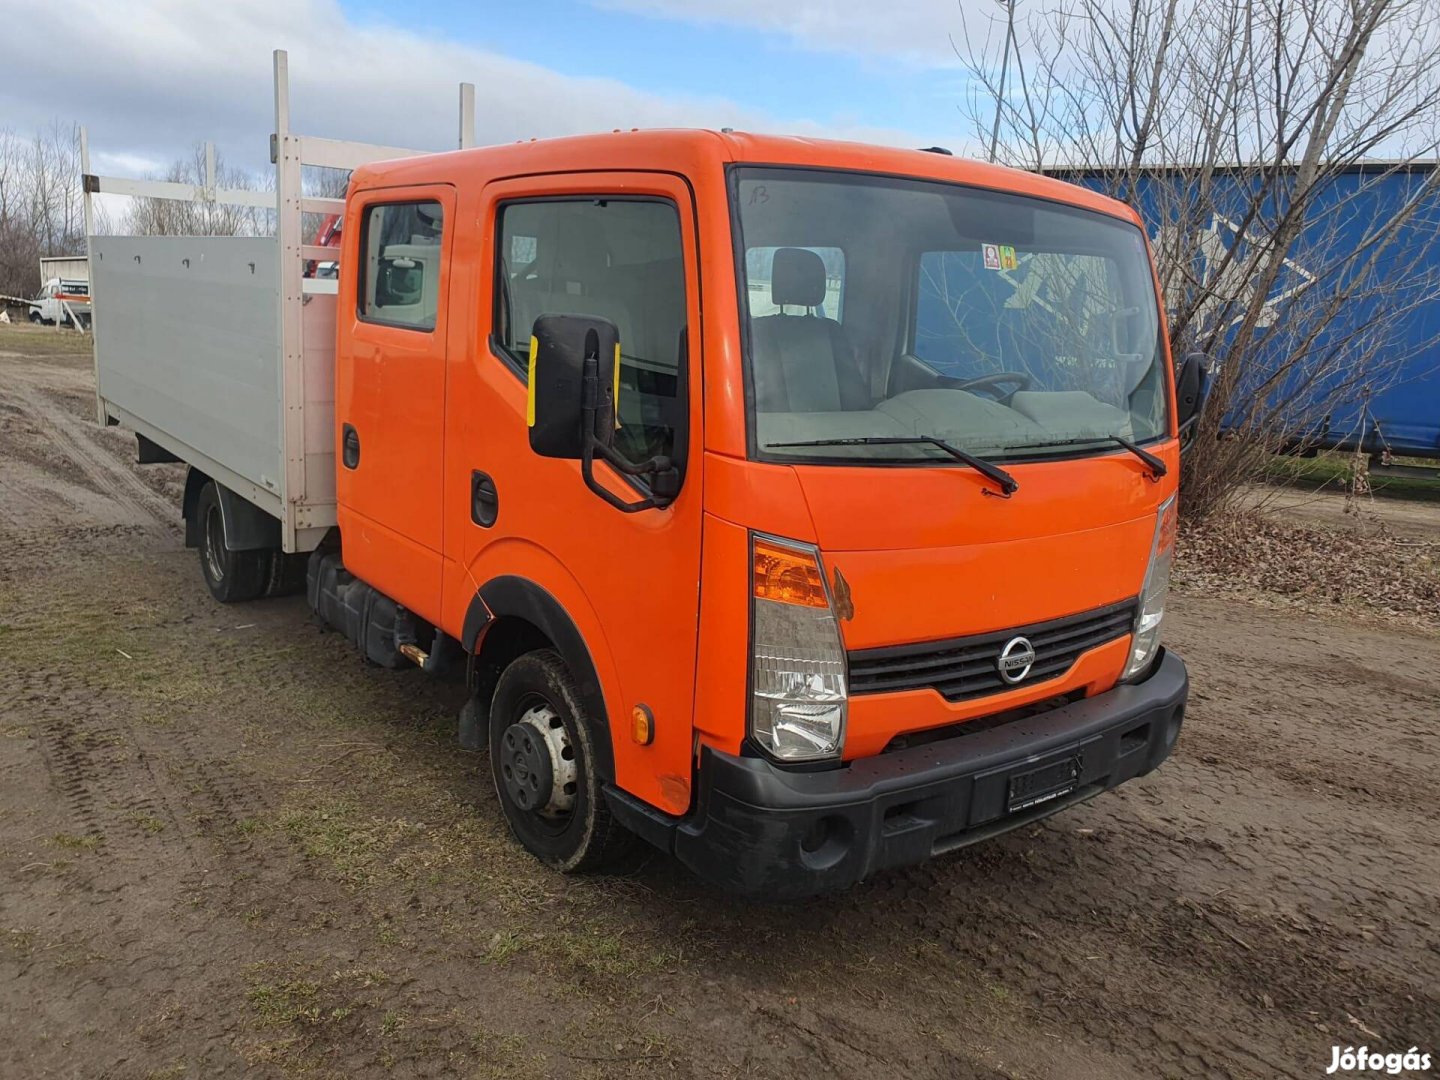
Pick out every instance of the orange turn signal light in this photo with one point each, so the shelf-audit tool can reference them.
(787, 575)
(642, 725)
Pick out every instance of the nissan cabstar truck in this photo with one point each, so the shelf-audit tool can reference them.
(800, 508)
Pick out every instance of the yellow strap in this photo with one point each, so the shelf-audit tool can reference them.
(530, 396)
(616, 399)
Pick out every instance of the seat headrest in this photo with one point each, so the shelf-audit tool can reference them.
(797, 277)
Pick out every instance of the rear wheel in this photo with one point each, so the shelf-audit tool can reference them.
(543, 760)
(231, 576)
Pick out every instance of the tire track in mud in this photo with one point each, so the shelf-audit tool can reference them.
(1213, 986)
(218, 799)
(105, 779)
(136, 501)
(1044, 955)
(143, 795)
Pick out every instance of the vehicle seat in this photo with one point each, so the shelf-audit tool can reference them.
(803, 363)
(572, 276)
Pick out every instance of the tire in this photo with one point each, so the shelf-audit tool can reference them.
(534, 694)
(231, 576)
(36, 318)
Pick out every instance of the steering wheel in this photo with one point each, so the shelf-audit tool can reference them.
(989, 382)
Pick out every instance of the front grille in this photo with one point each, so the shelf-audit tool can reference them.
(968, 667)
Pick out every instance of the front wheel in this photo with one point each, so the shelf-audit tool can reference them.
(231, 576)
(543, 760)
(36, 318)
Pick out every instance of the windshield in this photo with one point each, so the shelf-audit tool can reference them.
(880, 307)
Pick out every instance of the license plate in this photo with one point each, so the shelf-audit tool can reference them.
(1040, 785)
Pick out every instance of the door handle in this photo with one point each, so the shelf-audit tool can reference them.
(349, 446)
(484, 499)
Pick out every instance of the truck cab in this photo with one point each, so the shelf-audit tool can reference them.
(801, 508)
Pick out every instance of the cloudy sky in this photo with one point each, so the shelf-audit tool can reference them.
(150, 78)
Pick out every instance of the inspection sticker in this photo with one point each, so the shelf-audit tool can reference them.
(992, 256)
(1007, 258)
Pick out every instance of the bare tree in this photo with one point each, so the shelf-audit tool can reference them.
(202, 216)
(41, 204)
(1282, 152)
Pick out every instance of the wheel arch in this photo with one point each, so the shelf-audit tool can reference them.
(247, 527)
(511, 615)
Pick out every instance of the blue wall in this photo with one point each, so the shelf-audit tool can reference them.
(1407, 409)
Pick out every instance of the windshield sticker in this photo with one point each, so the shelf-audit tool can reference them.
(992, 256)
(1008, 261)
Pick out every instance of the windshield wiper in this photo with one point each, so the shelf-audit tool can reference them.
(1002, 479)
(1157, 467)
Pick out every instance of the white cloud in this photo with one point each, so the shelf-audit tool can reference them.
(914, 31)
(150, 78)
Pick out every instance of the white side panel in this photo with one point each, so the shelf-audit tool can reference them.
(319, 353)
(191, 344)
(75, 268)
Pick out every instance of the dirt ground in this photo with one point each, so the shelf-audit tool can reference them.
(1413, 520)
(227, 846)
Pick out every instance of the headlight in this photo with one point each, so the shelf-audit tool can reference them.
(797, 667)
(1145, 641)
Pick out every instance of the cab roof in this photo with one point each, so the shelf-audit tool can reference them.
(690, 150)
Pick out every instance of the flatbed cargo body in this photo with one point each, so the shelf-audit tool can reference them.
(190, 357)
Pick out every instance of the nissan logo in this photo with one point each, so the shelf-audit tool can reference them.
(1015, 660)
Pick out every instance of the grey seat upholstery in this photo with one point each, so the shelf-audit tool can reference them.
(572, 277)
(803, 363)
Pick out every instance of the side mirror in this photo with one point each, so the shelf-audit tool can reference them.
(1192, 385)
(560, 348)
(574, 385)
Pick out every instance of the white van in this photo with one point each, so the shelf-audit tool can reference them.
(57, 298)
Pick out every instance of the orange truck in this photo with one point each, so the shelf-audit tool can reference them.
(802, 509)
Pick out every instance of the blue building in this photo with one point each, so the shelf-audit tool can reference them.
(1378, 315)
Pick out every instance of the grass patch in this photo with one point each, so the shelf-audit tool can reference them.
(290, 1002)
(114, 647)
(500, 1053)
(147, 822)
(606, 953)
(77, 843)
(391, 1024)
(338, 833)
(1334, 471)
(503, 945)
(43, 340)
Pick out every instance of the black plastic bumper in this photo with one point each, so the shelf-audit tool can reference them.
(764, 831)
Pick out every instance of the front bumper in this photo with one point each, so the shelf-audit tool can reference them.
(763, 831)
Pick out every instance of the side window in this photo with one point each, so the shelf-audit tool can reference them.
(619, 259)
(400, 281)
(759, 263)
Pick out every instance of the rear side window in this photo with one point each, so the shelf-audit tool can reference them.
(618, 259)
(400, 281)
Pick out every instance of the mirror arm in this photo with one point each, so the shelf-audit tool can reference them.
(588, 409)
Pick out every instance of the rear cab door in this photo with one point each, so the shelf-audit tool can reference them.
(390, 390)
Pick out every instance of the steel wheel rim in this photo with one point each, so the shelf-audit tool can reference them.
(538, 714)
(214, 543)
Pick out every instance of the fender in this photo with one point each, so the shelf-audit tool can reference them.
(247, 527)
(517, 597)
